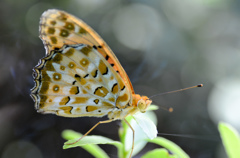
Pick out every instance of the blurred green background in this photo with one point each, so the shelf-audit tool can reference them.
(162, 44)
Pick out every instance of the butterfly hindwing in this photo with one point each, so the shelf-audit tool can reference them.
(77, 81)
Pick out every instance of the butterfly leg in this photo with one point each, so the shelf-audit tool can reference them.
(100, 122)
(133, 136)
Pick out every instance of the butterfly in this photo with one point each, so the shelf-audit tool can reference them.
(80, 75)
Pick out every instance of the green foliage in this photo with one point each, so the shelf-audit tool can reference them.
(231, 140)
(167, 144)
(89, 143)
(144, 126)
(163, 153)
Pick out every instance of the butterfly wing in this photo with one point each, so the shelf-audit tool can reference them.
(58, 28)
(76, 81)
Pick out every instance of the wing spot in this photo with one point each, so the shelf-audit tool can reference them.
(56, 88)
(69, 52)
(43, 99)
(71, 65)
(122, 98)
(66, 109)
(84, 62)
(78, 110)
(82, 31)
(53, 22)
(81, 80)
(57, 76)
(95, 47)
(106, 71)
(123, 88)
(57, 58)
(102, 68)
(115, 88)
(45, 76)
(74, 82)
(64, 33)
(51, 30)
(74, 90)
(64, 100)
(41, 105)
(62, 67)
(80, 100)
(49, 66)
(86, 76)
(86, 50)
(53, 40)
(91, 108)
(107, 57)
(101, 91)
(111, 99)
(69, 26)
(96, 101)
(108, 105)
(84, 91)
(94, 73)
(62, 17)
(77, 76)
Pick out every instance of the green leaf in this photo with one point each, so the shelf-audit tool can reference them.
(163, 153)
(170, 146)
(89, 143)
(231, 140)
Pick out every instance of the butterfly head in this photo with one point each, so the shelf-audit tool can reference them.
(142, 102)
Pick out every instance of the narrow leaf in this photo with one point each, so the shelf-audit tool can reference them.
(89, 143)
(231, 140)
(170, 146)
(162, 153)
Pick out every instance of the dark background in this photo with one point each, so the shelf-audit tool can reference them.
(163, 45)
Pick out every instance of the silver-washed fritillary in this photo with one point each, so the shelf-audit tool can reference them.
(80, 75)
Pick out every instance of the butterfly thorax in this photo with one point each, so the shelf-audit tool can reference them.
(139, 104)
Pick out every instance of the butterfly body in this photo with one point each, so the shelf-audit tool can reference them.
(80, 76)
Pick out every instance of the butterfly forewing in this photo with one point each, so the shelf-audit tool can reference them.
(58, 28)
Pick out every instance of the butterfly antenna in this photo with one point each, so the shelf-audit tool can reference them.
(167, 109)
(179, 90)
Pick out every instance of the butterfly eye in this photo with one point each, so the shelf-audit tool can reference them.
(142, 106)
